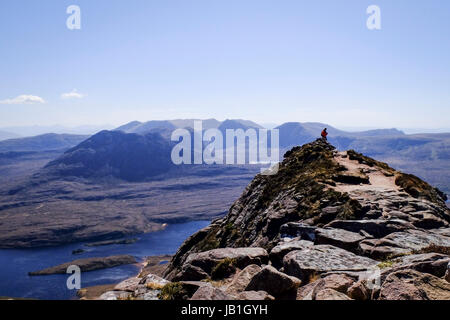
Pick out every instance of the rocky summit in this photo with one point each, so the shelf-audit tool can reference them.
(329, 225)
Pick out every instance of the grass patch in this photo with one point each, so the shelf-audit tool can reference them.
(209, 243)
(154, 286)
(386, 264)
(172, 291)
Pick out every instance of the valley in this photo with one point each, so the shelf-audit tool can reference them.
(58, 189)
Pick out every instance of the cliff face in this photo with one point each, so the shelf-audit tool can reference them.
(325, 212)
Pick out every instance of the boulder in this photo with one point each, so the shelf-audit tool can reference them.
(413, 285)
(211, 293)
(305, 292)
(277, 253)
(254, 296)
(241, 280)
(307, 263)
(276, 283)
(339, 238)
(199, 266)
(190, 287)
(190, 273)
(359, 291)
(330, 294)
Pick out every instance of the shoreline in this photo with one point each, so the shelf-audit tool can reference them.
(150, 265)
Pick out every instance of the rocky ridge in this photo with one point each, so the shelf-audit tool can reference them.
(328, 226)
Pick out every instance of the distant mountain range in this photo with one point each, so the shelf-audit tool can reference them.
(29, 131)
(151, 126)
(120, 153)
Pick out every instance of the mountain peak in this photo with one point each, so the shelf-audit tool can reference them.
(341, 203)
(113, 154)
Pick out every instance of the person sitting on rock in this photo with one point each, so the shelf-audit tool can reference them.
(324, 134)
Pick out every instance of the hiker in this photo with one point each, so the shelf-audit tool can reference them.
(324, 134)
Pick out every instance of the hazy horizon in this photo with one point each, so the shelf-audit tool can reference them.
(25, 131)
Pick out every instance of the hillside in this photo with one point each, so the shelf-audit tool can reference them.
(122, 183)
(317, 230)
(114, 154)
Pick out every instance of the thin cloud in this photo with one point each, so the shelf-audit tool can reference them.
(24, 99)
(72, 95)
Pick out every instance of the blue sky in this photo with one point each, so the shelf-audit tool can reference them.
(269, 61)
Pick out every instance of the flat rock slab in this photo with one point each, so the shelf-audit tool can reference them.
(88, 264)
(432, 263)
(324, 258)
(400, 243)
(377, 228)
(424, 258)
(336, 237)
(339, 238)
